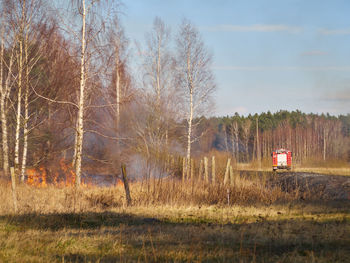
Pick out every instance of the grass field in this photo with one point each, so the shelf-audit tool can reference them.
(316, 233)
(172, 221)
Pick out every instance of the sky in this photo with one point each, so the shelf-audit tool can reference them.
(268, 55)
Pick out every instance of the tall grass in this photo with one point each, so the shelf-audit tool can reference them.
(243, 190)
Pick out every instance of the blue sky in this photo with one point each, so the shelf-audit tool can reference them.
(268, 54)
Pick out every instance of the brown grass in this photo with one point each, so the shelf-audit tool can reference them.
(172, 221)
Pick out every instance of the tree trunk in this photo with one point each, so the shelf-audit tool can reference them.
(235, 125)
(226, 139)
(258, 154)
(233, 142)
(26, 115)
(80, 121)
(325, 134)
(189, 131)
(19, 108)
(5, 91)
(117, 85)
(5, 150)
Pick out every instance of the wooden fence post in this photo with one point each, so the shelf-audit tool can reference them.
(206, 176)
(227, 171)
(231, 176)
(14, 194)
(126, 185)
(213, 169)
(184, 168)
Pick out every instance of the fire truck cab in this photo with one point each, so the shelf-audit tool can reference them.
(281, 159)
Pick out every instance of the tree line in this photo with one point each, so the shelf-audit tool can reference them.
(253, 137)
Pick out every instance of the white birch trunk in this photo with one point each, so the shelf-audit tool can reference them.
(80, 120)
(325, 134)
(236, 141)
(117, 85)
(19, 108)
(25, 135)
(190, 117)
(26, 114)
(3, 95)
(189, 131)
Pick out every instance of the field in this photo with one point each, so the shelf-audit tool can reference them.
(253, 220)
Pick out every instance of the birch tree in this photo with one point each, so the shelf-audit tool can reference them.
(78, 148)
(158, 82)
(158, 65)
(10, 24)
(194, 76)
(31, 55)
(21, 17)
(87, 37)
(5, 89)
(119, 75)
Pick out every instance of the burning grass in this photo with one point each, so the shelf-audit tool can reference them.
(174, 221)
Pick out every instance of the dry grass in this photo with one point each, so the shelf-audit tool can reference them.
(171, 221)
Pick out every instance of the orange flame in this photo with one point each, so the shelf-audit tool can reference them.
(68, 172)
(43, 176)
(37, 178)
(119, 182)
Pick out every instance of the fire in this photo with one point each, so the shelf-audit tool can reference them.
(55, 178)
(43, 176)
(119, 182)
(31, 173)
(37, 178)
(68, 172)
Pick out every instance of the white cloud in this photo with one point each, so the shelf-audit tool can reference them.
(263, 68)
(326, 31)
(254, 28)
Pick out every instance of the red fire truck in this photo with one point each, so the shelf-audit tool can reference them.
(281, 159)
